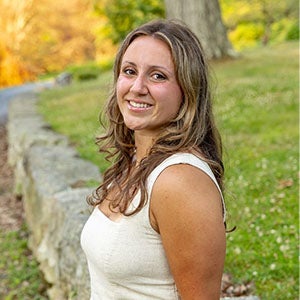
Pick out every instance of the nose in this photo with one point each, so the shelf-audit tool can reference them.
(139, 85)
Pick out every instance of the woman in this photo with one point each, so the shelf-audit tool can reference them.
(157, 230)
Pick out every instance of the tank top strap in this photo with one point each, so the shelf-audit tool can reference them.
(184, 158)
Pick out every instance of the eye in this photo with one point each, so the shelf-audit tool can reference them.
(128, 71)
(159, 77)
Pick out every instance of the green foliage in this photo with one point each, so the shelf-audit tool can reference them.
(89, 70)
(285, 30)
(293, 32)
(253, 22)
(257, 112)
(20, 274)
(246, 35)
(124, 15)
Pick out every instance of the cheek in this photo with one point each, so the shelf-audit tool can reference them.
(118, 88)
(120, 93)
(175, 98)
(121, 86)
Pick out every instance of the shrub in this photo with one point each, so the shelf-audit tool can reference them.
(246, 35)
(293, 33)
(90, 70)
(285, 30)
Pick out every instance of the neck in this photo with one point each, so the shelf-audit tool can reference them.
(143, 144)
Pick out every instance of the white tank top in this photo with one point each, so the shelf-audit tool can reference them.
(126, 259)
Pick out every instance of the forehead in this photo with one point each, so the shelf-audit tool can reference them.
(148, 47)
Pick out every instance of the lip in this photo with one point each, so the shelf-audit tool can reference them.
(137, 105)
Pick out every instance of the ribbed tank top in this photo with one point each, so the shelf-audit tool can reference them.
(126, 259)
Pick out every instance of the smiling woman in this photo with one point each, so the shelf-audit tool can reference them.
(157, 230)
(148, 93)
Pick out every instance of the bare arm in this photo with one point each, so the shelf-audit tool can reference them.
(186, 209)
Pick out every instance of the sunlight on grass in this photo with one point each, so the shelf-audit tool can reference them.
(257, 112)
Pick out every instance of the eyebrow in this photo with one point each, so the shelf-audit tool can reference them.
(151, 66)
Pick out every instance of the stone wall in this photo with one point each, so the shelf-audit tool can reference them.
(52, 180)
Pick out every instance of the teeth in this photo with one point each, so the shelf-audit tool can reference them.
(139, 105)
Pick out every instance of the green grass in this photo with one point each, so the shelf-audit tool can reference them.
(257, 109)
(74, 111)
(257, 113)
(20, 275)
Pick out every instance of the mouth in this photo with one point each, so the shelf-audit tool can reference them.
(139, 104)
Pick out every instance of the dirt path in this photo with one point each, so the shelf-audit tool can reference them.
(11, 208)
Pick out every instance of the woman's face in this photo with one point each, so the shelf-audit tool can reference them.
(148, 93)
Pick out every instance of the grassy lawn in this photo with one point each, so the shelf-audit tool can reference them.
(74, 111)
(20, 275)
(257, 112)
(257, 109)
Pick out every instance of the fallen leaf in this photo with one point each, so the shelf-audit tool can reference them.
(284, 183)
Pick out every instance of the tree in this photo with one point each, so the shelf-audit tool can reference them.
(39, 36)
(61, 35)
(15, 23)
(204, 18)
(124, 15)
(261, 20)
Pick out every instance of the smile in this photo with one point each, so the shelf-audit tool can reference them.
(139, 105)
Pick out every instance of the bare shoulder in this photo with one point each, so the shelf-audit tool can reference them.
(186, 187)
(186, 210)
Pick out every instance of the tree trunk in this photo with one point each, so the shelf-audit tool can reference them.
(204, 18)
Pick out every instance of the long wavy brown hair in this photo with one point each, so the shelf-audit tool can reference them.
(193, 128)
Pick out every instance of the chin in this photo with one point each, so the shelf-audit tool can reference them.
(133, 125)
